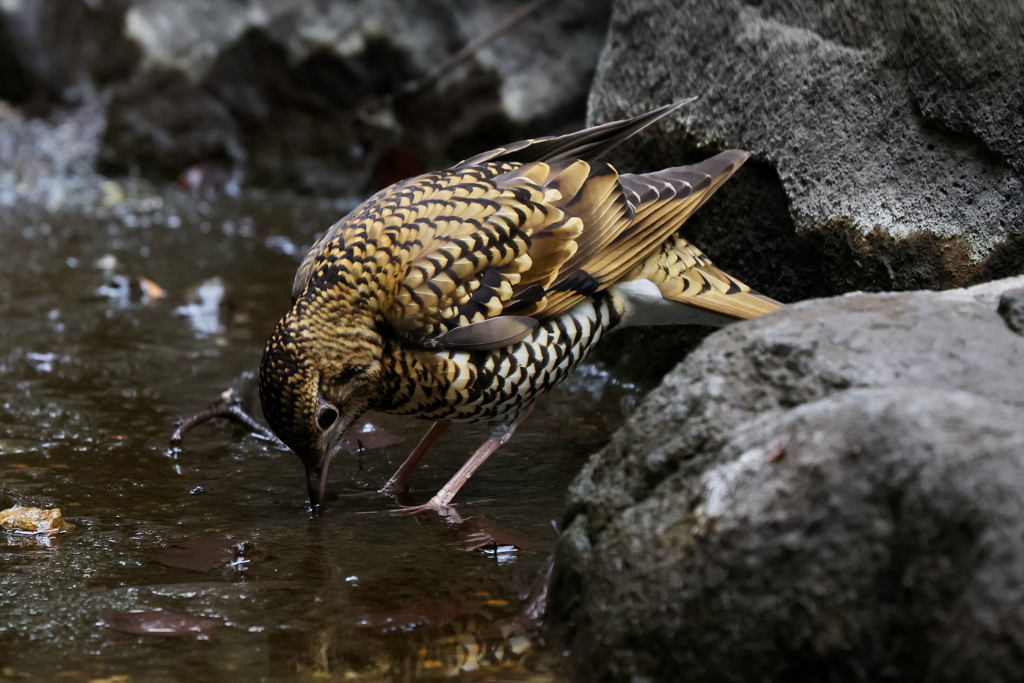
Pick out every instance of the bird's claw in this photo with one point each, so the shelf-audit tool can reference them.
(433, 505)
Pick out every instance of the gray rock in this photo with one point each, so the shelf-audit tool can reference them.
(887, 136)
(278, 88)
(1011, 308)
(831, 492)
(285, 92)
(50, 163)
(544, 52)
(169, 124)
(62, 52)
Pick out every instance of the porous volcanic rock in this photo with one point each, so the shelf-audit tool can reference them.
(834, 491)
(888, 137)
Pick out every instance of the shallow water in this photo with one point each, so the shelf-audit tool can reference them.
(93, 375)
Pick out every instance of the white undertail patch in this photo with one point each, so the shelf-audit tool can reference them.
(645, 305)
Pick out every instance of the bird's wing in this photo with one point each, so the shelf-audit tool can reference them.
(502, 253)
(630, 223)
(305, 270)
(475, 257)
(587, 144)
(470, 239)
(441, 254)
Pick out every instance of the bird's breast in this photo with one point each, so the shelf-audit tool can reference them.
(496, 385)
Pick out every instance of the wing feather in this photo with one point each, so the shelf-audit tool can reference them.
(588, 144)
(644, 213)
(464, 258)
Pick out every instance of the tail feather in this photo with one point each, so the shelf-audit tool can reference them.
(686, 275)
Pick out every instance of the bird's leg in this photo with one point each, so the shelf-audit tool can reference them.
(399, 481)
(500, 434)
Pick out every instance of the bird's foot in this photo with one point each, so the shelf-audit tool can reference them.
(435, 504)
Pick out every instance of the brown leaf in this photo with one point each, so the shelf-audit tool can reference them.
(151, 290)
(27, 520)
(202, 553)
(156, 623)
(370, 437)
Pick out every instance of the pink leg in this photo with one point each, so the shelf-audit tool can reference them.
(500, 434)
(399, 481)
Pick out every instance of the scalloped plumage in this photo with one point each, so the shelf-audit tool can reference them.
(462, 295)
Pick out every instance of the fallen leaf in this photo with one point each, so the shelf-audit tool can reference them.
(26, 520)
(151, 290)
(204, 553)
(369, 437)
(156, 623)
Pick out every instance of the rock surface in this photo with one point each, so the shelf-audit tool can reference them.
(832, 492)
(284, 91)
(887, 136)
(50, 162)
(62, 51)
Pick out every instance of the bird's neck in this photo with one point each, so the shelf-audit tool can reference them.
(340, 310)
(353, 279)
(342, 331)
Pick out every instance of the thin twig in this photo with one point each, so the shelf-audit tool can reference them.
(415, 85)
(232, 411)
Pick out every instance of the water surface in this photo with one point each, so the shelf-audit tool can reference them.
(94, 372)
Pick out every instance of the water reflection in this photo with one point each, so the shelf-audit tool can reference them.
(467, 647)
(204, 307)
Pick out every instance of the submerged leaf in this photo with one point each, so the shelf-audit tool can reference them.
(369, 437)
(156, 623)
(203, 553)
(151, 291)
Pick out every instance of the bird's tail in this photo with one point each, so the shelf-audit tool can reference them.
(661, 202)
(684, 274)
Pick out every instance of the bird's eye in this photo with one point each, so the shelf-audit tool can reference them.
(326, 417)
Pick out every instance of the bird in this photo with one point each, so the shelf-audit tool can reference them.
(463, 295)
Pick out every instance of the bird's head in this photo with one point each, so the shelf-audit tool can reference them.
(315, 382)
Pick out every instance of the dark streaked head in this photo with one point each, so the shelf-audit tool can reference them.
(313, 387)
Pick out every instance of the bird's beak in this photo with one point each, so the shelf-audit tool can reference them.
(316, 474)
(316, 480)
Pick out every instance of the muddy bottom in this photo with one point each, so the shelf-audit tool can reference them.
(118, 320)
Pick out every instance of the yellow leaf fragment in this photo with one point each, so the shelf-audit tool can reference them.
(34, 521)
(151, 290)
